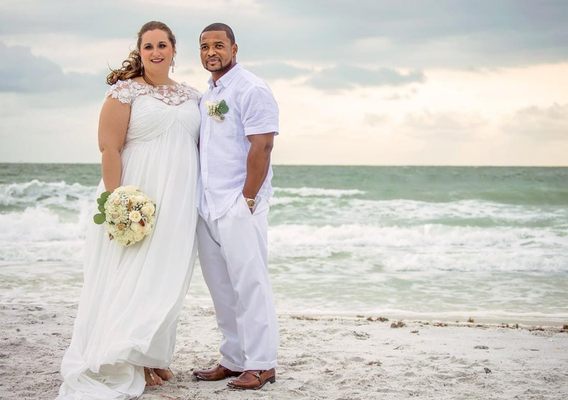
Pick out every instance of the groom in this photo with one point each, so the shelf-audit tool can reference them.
(239, 119)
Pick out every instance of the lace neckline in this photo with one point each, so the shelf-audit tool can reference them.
(176, 94)
(146, 83)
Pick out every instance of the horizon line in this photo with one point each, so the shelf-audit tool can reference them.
(334, 165)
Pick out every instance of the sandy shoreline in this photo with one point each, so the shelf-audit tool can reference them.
(320, 358)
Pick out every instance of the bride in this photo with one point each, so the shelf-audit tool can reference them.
(124, 333)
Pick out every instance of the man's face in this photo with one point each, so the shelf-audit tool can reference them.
(217, 52)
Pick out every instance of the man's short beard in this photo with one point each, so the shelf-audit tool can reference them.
(222, 68)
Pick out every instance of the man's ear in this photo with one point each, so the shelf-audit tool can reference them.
(235, 49)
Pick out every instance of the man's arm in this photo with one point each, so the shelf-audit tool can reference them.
(258, 161)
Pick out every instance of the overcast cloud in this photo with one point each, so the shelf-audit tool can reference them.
(398, 66)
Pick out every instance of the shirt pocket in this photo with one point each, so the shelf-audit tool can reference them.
(227, 127)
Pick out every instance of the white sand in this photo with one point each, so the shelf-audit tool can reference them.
(320, 358)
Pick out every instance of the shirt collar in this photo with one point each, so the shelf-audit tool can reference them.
(226, 79)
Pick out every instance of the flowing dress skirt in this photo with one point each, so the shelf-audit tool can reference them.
(132, 296)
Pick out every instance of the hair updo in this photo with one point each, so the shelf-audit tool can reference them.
(132, 66)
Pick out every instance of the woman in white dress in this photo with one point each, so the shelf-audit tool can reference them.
(124, 333)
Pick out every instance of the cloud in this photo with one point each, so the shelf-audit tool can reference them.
(278, 70)
(542, 123)
(23, 72)
(388, 46)
(441, 125)
(407, 95)
(375, 119)
(413, 34)
(428, 33)
(349, 76)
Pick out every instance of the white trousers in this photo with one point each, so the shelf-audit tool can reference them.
(234, 259)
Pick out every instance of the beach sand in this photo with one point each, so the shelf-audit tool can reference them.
(320, 358)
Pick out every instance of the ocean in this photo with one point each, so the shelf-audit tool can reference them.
(445, 243)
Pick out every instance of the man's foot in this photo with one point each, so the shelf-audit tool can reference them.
(215, 374)
(152, 379)
(253, 379)
(165, 374)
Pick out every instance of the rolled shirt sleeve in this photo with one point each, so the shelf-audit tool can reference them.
(259, 111)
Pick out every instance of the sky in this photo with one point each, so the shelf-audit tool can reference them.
(371, 82)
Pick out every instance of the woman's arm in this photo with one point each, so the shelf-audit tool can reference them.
(113, 124)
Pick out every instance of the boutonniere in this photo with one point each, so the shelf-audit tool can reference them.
(217, 109)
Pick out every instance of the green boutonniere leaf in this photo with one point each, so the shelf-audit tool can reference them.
(223, 107)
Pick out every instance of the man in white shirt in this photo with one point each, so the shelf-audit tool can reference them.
(239, 119)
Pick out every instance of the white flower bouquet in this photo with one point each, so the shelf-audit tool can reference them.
(128, 213)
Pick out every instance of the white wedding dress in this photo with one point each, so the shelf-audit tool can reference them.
(132, 296)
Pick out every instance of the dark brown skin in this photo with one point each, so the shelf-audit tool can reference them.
(217, 53)
(258, 161)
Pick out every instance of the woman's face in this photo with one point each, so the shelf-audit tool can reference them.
(156, 51)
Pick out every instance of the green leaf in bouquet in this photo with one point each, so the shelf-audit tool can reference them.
(102, 208)
(223, 107)
(103, 198)
(99, 219)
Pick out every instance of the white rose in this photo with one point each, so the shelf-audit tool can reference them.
(129, 189)
(147, 228)
(136, 228)
(138, 199)
(134, 216)
(148, 209)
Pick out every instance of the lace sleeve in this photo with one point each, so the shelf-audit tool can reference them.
(121, 90)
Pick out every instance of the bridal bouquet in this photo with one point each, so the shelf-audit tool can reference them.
(128, 213)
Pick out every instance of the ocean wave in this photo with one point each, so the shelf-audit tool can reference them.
(420, 248)
(40, 234)
(332, 211)
(47, 221)
(318, 192)
(49, 194)
(413, 236)
(313, 205)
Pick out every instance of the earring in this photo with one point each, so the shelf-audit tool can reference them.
(173, 64)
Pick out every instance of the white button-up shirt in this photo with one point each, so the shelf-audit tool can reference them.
(223, 145)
